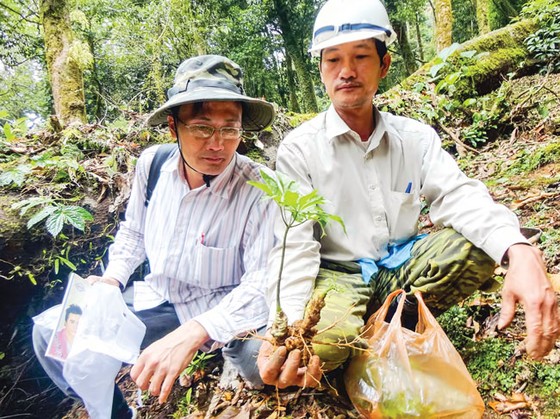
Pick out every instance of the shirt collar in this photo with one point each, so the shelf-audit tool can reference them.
(335, 127)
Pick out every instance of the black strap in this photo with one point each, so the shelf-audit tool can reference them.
(163, 153)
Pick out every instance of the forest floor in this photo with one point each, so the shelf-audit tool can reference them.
(522, 171)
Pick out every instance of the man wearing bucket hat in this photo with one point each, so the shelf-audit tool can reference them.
(205, 232)
(373, 167)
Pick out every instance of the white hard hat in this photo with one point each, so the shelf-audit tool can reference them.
(341, 21)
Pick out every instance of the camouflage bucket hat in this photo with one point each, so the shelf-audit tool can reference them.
(214, 78)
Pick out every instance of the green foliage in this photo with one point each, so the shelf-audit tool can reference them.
(550, 240)
(185, 406)
(454, 323)
(502, 12)
(15, 176)
(13, 129)
(530, 160)
(295, 209)
(55, 214)
(549, 378)
(456, 66)
(492, 365)
(544, 44)
(198, 363)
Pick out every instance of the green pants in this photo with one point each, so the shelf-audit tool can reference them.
(444, 266)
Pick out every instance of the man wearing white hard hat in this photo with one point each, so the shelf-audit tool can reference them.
(373, 167)
(205, 232)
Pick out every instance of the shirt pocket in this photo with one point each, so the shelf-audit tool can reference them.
(215, 267)
(403, 210)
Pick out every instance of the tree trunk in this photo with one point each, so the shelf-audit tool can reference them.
(419, 38)
(294, 104)
(63, 62)
(482, 16)
(444, 24)
(506, 52)
(404, 46)
(295, 50)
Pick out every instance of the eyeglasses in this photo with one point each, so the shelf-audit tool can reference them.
(204, 132)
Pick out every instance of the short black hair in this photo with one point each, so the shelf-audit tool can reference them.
(379, 46)
(73, 309)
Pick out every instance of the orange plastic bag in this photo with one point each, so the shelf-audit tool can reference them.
(407, 374)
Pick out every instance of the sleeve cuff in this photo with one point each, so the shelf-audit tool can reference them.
(500, 241)
(119, 273)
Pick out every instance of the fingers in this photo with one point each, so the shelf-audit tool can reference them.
(282, 369)
(92, 279)
(312, 377)
(141, 373)
(290, 374)
(160, 364)
(542, 325)
(270, 362)
(507, 311)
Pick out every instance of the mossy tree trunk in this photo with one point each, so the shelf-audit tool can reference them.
(294, 105)
(444, 24)
(65, 72)
(482, 16)
(296, 52)
(506, 52)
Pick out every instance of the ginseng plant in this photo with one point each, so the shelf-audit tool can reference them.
(295, 209)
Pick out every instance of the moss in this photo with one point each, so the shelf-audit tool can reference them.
(296, 119)
(502, 60)
(64, 70)
(506, 51)
(530, 160)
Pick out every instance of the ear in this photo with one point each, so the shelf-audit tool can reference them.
(172, 127)
(319, 65)
(385, 64)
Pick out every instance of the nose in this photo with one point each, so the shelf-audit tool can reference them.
(347, 70)
(215, 142)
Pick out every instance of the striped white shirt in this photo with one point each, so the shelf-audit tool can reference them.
(207, 247)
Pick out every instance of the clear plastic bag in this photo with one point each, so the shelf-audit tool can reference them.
(407, 374)
(108, 334)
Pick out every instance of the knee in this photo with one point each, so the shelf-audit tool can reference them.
(242, 354)
(332, 355)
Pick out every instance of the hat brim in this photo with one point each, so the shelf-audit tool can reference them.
(352, 37)
(257, 114)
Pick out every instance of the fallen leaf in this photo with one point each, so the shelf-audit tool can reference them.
(514, 402)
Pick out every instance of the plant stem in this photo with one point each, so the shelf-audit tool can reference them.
(285, 238)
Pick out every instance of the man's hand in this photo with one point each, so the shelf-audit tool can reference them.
(160, 364)
(277, 369)
(526, 282)
(92, 279)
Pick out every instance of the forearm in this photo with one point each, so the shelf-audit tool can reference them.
(466, 205)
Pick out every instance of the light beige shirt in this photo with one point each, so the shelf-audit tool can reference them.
(367, 187)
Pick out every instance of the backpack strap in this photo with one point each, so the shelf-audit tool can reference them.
(163, 153)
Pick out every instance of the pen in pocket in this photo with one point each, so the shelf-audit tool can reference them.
(408, 187)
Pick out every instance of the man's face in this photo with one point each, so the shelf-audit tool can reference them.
(211, 155)
(72, 324)
(351, 73)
